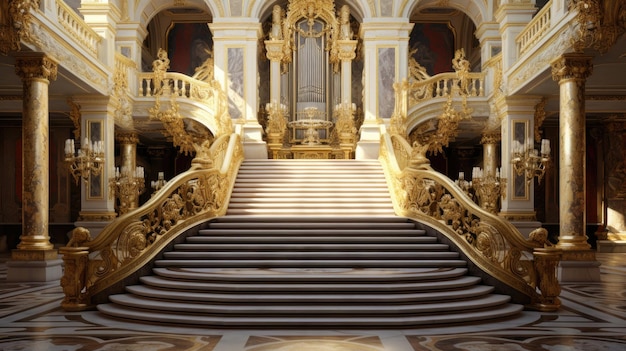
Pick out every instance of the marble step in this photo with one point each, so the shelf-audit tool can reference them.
(310, 212)
(309, 309)
(302, 321)
(305, 231)
(211, 240)
(304, 298)
(276, 255)
(329, 263)
(378, 278)
(304, 283)
(325, 247)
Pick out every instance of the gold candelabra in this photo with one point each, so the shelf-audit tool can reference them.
(85, 161)
(126, 186)
(488, 188)
(529, 161)
(159, 183)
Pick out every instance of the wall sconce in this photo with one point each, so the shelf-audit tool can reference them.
(86, 161)
(529, 161)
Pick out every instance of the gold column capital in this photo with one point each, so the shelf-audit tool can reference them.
(572, 66)
(127, 138)
(36, 65)
(491, 138)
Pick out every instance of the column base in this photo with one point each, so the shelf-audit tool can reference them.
(34, 271)
(578, 266)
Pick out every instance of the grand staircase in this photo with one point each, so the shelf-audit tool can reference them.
(310, 244)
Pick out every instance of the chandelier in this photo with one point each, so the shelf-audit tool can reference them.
(529, 161)
(85, 161)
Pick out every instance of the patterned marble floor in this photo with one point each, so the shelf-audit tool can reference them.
(593, 318)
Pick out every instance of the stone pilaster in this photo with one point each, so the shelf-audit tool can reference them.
(235, 45)
(35, 258)
(571, 71)
(385, 46)
(518, 205)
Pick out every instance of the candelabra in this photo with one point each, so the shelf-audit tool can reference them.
(86, 161)
(465, 185)
(529, 161)
(488, 188)
(126, 186)
(159, 183)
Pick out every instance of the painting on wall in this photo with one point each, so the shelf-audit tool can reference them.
(435, 46)
(188, 46)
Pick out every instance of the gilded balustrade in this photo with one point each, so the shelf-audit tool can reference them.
(131, 241)
(493, 244)
(444, 85)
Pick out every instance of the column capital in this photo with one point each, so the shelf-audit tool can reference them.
(491, 138)
(572, 66)
(127, 138)
(36, 65)
(274, 50)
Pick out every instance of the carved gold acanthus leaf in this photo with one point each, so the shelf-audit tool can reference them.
(600, 24)
(15, 23)
(572, 66)
(36, 66)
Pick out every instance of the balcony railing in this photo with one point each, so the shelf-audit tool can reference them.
(77, 28)
(445, 84)
(536, 29)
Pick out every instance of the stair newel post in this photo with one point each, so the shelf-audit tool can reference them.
(75, 260)
(545, 265)
(74, 279)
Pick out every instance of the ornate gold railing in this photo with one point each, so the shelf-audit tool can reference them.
(493, 244)
(178, 84)
(131, 241)
(536, 29)
(444, 85)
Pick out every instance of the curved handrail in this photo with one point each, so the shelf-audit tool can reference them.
(491, 243)
(134, 239)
